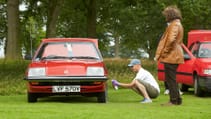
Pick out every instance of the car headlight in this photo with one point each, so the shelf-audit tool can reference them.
(207, 71)
(36, 72)
(95, 71)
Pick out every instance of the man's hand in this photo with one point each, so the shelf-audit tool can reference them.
(115, 84)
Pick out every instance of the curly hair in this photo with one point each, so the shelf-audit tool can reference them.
(172, 13)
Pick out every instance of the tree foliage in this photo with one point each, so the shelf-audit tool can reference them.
(3, 20)
(125, 28)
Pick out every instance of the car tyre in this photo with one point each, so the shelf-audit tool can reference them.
(102, 97)
(197, 89)
(184, 88)
(32, 97)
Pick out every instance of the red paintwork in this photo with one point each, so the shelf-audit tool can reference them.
(198, 35)
(68, 68)
(74, 67)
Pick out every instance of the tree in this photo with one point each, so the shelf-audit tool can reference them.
(32, 21)
(53, 13)
(91, 17)
(13, 50)
(133, 25)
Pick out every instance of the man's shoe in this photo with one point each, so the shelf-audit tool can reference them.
(115, 84)
(146, 100)
(180, 92)
(166, 92)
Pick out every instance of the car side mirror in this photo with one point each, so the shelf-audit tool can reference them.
(186, 57)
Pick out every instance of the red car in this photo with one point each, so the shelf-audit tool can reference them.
(67, 66)
(196, 71)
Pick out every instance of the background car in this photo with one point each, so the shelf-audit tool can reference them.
(67, 66)
(196, 71)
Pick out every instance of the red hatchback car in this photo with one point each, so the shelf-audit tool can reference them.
(196, 71)
(67, 66)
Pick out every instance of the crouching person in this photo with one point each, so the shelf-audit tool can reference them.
(144, 83)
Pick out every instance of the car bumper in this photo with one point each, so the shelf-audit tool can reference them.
(87, 84)
(205, 83)
(101, 87)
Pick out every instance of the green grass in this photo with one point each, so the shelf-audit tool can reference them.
(122, 104)
(11, 77)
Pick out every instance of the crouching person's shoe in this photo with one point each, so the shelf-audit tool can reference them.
(145, 100)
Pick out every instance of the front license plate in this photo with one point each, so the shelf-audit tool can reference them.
(61, 89)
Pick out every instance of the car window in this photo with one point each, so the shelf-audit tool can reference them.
(205, 50)
(85, 50)
(186, 55)
(194, 49)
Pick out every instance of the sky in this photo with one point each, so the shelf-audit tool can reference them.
(1, 52)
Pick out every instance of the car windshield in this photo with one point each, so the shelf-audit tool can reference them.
(204, 50)
(68, 50)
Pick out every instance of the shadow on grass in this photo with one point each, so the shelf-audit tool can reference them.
(68, 99)
(191, 92)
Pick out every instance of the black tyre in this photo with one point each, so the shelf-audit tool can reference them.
(32, 97)
(184, 88)
(197, 89)
(102, 97)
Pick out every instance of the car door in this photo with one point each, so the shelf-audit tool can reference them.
(185, 71)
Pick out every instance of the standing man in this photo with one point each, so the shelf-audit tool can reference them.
(144, 83)
(169, 51)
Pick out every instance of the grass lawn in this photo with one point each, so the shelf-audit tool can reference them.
(122, 104)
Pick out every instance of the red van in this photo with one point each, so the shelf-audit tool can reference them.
(196, 71)
(67, 66)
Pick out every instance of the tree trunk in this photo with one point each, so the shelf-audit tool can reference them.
(91, 19)
(117, 41)
(53, 13)
(13, 50)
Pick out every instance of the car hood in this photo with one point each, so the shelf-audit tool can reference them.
(67, 67)
(205, 62)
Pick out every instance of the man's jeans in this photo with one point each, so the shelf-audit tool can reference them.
(170, 77)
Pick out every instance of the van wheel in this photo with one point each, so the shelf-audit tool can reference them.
(197, 89)
(184, 88)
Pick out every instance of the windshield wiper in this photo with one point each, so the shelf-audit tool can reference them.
(65, 57)
(85, 57)
(54, 57)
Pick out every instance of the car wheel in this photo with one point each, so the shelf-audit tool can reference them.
(197, 89)
(102, 97)
(32, 97)
(184, 87)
